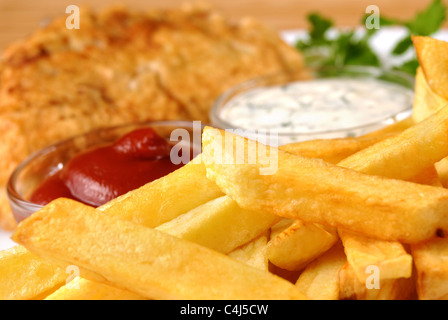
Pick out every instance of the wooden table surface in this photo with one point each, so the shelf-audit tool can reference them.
(19, 17)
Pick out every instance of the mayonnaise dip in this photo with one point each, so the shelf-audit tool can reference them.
(317, 106)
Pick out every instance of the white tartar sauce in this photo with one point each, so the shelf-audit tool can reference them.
(316, 106)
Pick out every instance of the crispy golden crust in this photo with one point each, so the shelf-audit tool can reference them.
(123, 66)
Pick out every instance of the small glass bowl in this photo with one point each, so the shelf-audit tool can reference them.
(394, 77)
(37, 167)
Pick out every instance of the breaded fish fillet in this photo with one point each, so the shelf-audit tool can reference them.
(123, 66)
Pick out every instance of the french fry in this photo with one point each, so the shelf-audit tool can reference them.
(207, 229)
(140, 259)
(336, 150)
(431, 265)
(165, 199)
(83, 289)
(311, 190)
(25, 276)
(407, 154)
(390, 129)
(253, 253)
(299, 244)
(220, 224)
(426, 101)
(389, 257)
(432, 56)
(331, 150)
(351, 288)
(320, 279)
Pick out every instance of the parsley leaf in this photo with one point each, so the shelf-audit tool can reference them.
(347, 48)
(425, 23)
(319, 26)
(403, 45)
(409, 66)
(428, 21)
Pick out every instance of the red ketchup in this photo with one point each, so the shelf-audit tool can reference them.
(101, 174)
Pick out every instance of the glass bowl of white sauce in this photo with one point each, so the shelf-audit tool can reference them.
(316, 103)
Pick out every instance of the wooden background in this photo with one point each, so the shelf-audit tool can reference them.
(20, 17)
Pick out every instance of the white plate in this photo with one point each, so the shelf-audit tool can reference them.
(382, 42)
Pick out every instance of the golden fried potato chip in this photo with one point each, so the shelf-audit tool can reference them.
(312, 190)
(143, 260)
(407, 154)
(25, 276)
(431, 263)
(165, 199)
(337, 149)
(83, 289)
(300, 243)
(320, 279)
(253, 253)
(351, 288)
(389, 257)
(220, 224)
(432, 55)
(426, 101)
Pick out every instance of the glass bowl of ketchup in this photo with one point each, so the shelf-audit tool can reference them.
(103, 164)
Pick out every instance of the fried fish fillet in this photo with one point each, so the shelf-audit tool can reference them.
(124, 66)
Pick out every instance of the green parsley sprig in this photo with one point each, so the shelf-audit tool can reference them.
(349, 47)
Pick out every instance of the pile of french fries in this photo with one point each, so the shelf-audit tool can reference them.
(354, 218)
